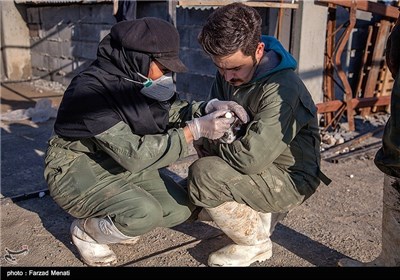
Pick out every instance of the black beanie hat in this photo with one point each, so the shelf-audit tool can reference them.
(153, 36)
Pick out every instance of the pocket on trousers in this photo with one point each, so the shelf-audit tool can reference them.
(69, 176)
(278, 190)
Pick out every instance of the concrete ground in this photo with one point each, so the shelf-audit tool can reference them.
(340, 220)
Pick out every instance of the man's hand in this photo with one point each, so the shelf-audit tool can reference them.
(211, 126)
(215, 104)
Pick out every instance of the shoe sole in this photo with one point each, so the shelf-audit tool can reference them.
(259, 258)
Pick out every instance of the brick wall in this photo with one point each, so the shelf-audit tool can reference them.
(195, 84)
(64, 40)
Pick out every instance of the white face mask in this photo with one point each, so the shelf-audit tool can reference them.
(161, 89)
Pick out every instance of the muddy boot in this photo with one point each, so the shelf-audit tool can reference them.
(245, 227)
(91, 235)
(270, 220)
(390, 254)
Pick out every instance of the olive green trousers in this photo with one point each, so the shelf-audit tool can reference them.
(212, 181)
(86, 183)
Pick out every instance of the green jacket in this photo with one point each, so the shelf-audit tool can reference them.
(136, 153)
(283, 129)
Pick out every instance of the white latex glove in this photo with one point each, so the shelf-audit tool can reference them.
(211, 126)
(215, 104)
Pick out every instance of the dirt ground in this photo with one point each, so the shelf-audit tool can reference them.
(339, 220)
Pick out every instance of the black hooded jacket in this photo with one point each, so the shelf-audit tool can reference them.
(100, 97)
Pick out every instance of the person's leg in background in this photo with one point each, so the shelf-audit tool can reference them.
(387, 159)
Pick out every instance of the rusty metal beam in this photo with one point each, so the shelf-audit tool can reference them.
(366, 6)
(337, 62)
(334, 105)
(329, 89)
(363, 68)
(260, 4)
(330, 107)
(377, 61)
(357, 152)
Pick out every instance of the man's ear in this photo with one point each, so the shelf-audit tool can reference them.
(260, 50)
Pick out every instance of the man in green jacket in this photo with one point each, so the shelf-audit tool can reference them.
(119, 122)
(249, 185)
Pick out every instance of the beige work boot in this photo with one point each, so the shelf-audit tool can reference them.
(270, 220)
(91, 235)
(390, 254)
(245, 227)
